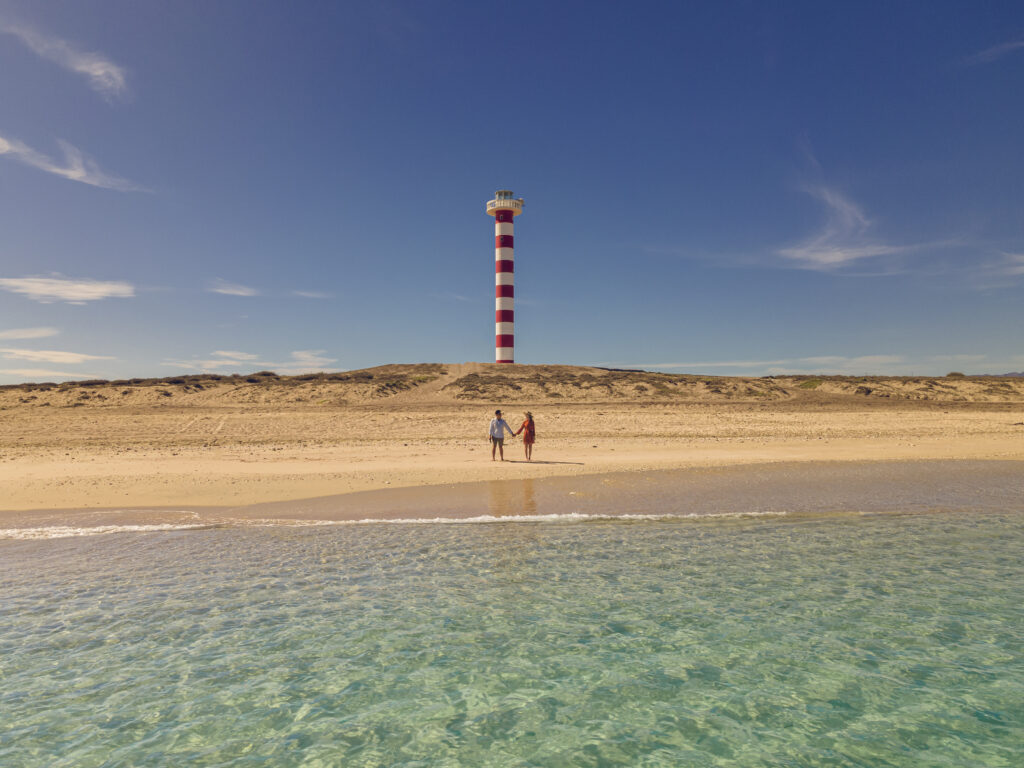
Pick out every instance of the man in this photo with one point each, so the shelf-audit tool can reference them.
(498, 428)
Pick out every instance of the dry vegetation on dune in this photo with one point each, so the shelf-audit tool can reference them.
(486, 383)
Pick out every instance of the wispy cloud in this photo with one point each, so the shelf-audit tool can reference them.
(219, 361)
(842, 240)
(76, 167)
(49, 356)
(104, 76)
(301, 361)
(716, 364)
(1013, 265)
(842, 365)
(28, 333)
(995, 52)
(231, 289)
(50, 289)
(823, 364)
(239, 356)
(312, 294)
(851, 362)
(307, 361)
(1000, 271)
(959, 358)
(43, 373)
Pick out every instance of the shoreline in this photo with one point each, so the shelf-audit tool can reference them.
(793, 490)
(722, 490)
(155, 481)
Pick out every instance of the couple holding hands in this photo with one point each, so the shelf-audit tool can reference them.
(497, 434)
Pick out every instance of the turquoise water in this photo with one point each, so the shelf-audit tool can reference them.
(884, 640)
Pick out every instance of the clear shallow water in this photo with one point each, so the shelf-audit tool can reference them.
(889, 640)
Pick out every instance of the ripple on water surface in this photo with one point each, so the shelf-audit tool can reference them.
(876, 641)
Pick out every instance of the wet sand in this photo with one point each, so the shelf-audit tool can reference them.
(807, 488)
(790, 490)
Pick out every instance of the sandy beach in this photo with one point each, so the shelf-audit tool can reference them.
(227, 441)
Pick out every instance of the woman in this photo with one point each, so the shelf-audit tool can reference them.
(529, 435)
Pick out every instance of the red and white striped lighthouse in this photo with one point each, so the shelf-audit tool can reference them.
(504, 208)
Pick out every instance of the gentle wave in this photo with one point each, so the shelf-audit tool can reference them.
(567, 517)
(67, 531)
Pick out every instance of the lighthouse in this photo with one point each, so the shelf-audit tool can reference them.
(504, 208)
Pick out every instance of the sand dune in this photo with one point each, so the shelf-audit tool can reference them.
(477, 382)
(215, 440)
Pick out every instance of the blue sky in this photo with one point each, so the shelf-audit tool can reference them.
(743, 188)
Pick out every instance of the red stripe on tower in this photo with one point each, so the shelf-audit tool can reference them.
(504, 208)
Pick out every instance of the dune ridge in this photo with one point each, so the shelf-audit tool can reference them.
(477, 382)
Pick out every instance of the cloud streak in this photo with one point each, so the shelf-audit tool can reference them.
(307, 361)
(1013, 265)
(219, 360)
(843, 238)
(231, 289)
(42, 373)
(841, 365)
(239, 356)
(76, 167)
(27, 333)
(302, 361)
(47, 290)
(824, 364)
(103, 75)
(718, 364)
(995, 52)
(1001, 271)
(50, 356)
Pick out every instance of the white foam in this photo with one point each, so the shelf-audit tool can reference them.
(568, 517)
(67, 531)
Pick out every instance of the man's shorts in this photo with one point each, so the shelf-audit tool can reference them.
(498, 441)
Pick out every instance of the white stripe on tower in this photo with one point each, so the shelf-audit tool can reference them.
(503, 208)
